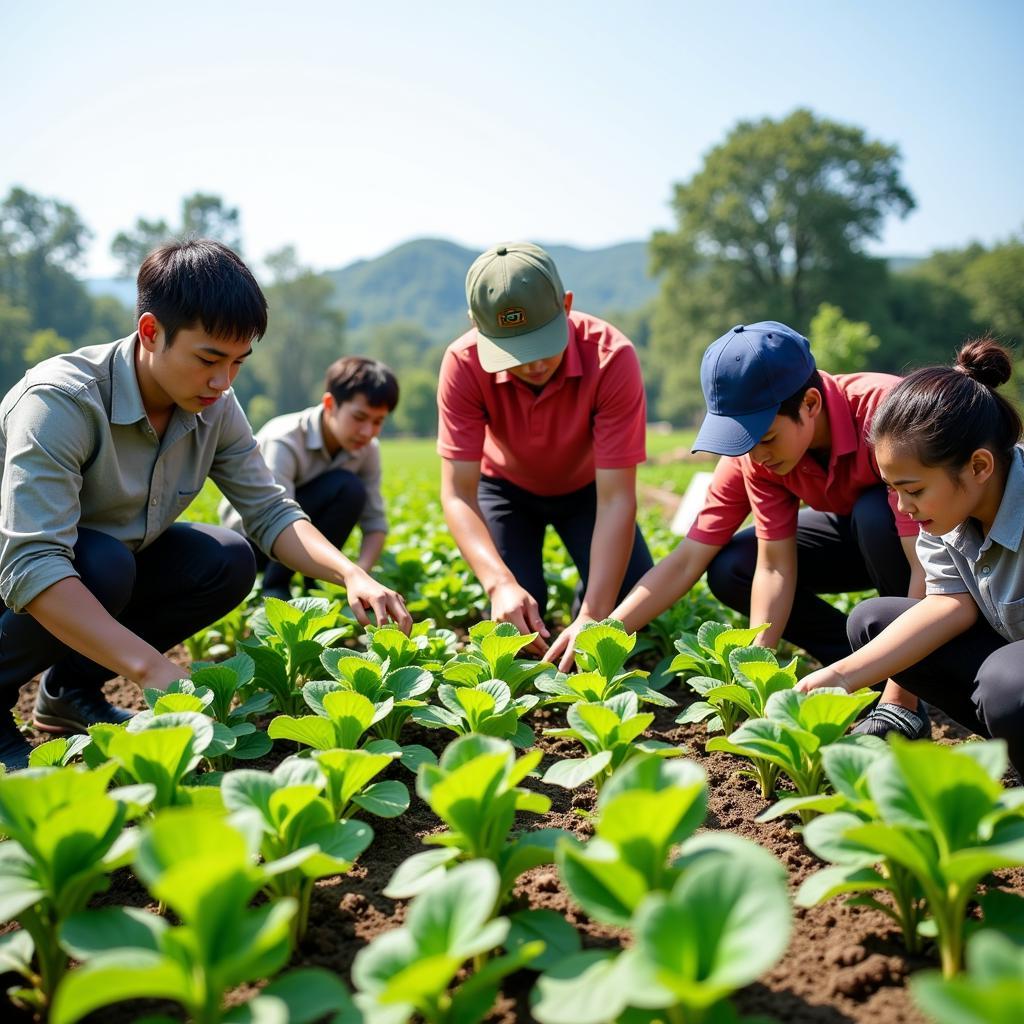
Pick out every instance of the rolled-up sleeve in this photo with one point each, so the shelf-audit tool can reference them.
(247, 482)
(48, 441)
(941, 575)
(374, 517)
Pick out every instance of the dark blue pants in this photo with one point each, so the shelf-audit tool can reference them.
(977, 678)
(190, 576)
(334, 501)
(835, 555)
(517, 519)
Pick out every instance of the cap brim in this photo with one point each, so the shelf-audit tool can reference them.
(733, 435)
(498, 354)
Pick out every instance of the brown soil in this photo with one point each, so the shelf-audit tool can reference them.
(844, 964)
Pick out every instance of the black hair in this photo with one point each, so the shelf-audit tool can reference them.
(358, 375)
(200, 281)
(791, 406)
(943, 414)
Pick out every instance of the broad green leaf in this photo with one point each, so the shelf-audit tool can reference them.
(310, 730)
(571, 773)
(560, 938)
(385, 799)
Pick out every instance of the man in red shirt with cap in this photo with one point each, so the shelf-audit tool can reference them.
(542, 420)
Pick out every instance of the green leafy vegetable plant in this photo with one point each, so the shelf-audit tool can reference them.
(941, 815)
(288, 639)
(610, 733)
(991, 992)
(475, 791)
(755, 675)
(204, 869)
(724, 922)
(791, 736)
(301, 837)
(406, 686)
(343, 720)
(492, 654)
(487, 708)
(66, 833)
(602, 649)
(707, 916)
(408, 972)
(162, 751)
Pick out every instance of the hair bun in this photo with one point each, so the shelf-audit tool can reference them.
(985, 361)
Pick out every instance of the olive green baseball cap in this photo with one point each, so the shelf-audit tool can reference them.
(517, 301)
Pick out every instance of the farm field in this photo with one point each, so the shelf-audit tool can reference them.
(618, 849)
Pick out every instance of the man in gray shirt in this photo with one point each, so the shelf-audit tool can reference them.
(100, 451)
(328, 459)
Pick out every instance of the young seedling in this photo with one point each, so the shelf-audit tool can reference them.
(755, 676)
(162, 751)
(854, 872)
(791, 736)
(407, 686)
(991, 992)
(602, 649)
(703, 925)
(944, 817)
(288, 639)
(213, 691)
(343, 720)
(475, 791)
(609, 731)
(66, 834)
(486, 708)
(301, 837)
(644, 812)
(204, 869)
(408, 972)
(492, 655)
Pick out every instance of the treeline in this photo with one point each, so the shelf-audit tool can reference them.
(773, 226)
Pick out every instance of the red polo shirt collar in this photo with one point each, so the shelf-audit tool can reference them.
(570, 366)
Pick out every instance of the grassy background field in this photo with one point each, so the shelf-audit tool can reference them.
(414, 462)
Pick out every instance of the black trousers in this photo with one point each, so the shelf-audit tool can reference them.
(518, 518)
(977, 678)
(835, 554)
(190, 576)
(334, 501)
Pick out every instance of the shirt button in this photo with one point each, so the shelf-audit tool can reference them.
(986, 569)
(153, 502)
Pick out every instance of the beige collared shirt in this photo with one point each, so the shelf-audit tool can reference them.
(76, 449)
(990, 569)
(294, 449)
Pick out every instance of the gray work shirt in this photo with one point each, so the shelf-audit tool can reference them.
(294, 448)
(76, 449)
(990, 569)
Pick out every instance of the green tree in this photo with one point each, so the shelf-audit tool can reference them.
(45, 343)
(42, 242)
(840, 345)
(773, 224)
(16, 334)
(417, 408)
(202, 216)
(306, 334)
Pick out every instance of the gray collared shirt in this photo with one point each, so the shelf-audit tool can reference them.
(990, 569)
(293, 446)
(76, 449)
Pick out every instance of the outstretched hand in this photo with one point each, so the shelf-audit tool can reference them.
(511, 603)
(366, 595)
(563, 651)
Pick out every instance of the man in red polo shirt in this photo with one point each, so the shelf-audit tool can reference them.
(542, 420)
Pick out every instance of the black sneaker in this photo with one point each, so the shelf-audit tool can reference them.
(893, 718)
(74, 710)
(14, 748)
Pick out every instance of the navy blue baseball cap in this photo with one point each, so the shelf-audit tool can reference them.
(745, 376)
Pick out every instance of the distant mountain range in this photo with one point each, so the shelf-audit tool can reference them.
(422, 282)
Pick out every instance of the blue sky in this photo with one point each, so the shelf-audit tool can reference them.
(346, 128)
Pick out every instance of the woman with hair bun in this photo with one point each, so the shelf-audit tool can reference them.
(947, 444)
